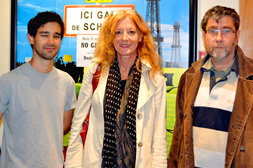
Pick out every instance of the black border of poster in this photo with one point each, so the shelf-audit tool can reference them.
(13, 34)
(193, 21)
(192, 32)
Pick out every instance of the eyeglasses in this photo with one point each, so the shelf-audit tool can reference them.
(224, 32)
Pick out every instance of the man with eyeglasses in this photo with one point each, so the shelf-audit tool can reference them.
(214, 110)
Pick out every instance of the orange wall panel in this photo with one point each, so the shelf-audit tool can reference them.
(246, 27)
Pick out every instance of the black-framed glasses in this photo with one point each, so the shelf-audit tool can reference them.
(224, 32)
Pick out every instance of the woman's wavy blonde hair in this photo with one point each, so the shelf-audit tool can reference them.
(105, 52)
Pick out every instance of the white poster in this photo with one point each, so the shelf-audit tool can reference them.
(84, 22)
(86, 45)
(88, 19)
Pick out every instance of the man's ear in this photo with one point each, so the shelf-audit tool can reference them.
(30, 39)
(203, 35)
(238, 33)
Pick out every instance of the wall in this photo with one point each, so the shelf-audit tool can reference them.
(203, 6)
(5, 20)
(246, 37)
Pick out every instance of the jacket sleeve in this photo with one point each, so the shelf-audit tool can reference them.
(175, 144)
(160, 142)
(75, 147)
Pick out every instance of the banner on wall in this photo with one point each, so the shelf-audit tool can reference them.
(86, 45)
(87, 19)
(82, 24)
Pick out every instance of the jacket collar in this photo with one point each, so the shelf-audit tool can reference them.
(147, 85)
(245, 65)
(146, 66)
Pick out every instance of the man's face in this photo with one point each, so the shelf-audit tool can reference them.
(222, 45)
(46, 43)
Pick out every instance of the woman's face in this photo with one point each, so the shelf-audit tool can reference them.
(127, 38)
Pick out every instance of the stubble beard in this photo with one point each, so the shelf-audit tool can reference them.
(45, 55)
(221, 55)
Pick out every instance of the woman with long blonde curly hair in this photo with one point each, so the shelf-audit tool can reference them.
(146, 49)
(127, 125)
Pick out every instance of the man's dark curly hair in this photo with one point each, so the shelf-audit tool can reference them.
(217, 12)
(42, 18)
